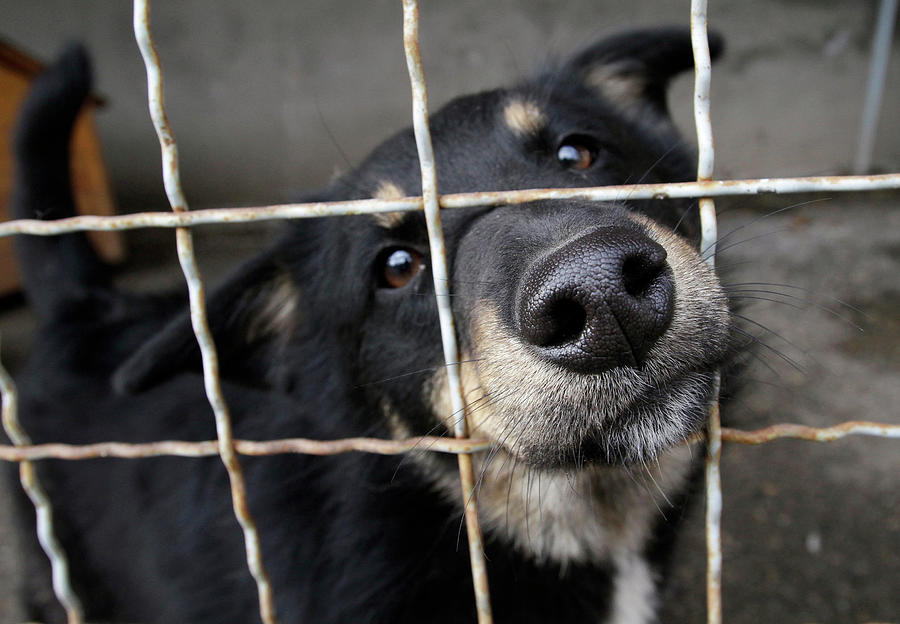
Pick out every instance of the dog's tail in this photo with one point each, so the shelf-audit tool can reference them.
(57, 271)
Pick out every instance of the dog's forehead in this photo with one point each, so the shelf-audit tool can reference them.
(523, 110)
(509, 138)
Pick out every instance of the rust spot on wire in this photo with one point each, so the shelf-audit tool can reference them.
(441, 291)
(59, 565)
(188, 262)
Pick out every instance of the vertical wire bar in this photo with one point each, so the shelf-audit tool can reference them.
(714, 511)
(184, 241)
(442, 295)
(881, 53)
(59, 564)
(705, 162)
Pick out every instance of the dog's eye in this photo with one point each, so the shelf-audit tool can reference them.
(576, 152)
(400, 267)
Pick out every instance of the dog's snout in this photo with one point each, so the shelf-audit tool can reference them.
(598, 302)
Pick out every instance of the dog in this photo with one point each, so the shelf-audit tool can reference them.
(590, 336)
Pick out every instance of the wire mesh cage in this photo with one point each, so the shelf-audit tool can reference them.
(706, 188)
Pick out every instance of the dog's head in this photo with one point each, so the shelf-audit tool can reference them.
(590, 332)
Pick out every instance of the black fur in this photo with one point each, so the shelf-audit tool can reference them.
(313, 343)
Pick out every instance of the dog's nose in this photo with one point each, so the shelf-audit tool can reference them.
(598, 302)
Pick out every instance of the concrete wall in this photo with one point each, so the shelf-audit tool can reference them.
(270, 98)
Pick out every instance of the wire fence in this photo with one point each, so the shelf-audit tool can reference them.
(431, 203)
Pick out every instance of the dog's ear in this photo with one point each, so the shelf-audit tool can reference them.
(635, 67)
(248, 313)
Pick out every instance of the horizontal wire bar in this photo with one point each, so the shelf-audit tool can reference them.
(794, 431)
(811, 434)
(249, 214)
(206, 448)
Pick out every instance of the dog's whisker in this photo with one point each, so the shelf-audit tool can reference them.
(509, 486)
(722, 248)
(757, 340)
(642, 484)
(751, 380)
(658, 161)
(730, 264)
(741, 297)
(659, 488)
(746, 349)
(742, 287)
(748, 293)
(420, 371)
(684, 213)
(771, 332)
(446, 424)
(331, 137)
(772, 213)
(473, 282)
(479, 482)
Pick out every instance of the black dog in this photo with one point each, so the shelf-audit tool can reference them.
(590, 334)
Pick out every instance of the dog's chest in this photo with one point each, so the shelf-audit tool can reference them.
(595, 515)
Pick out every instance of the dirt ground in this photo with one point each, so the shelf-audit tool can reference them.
(811, 531)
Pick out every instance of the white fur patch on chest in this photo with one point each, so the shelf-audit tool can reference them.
(634, 591)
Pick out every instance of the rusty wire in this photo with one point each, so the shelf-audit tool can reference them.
(670, 190)
(445, 314)
(207, 448)
(59, 564)
(708, 239)
(813, 434)
(185, 246)
(226, 447)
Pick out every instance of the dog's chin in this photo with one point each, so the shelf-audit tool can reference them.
(658, 419)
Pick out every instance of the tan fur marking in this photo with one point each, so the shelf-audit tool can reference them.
(399, 429)
(387, 190)
(620, 87)
(279, 311)
(524, 117)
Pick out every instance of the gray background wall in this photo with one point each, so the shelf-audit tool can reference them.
(270, 98)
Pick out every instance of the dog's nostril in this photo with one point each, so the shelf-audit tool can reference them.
(565, 323)
(640, 271)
